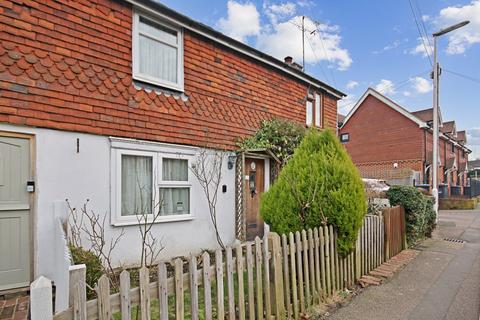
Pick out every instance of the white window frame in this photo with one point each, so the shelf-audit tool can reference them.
(318, 110)
(157, 154)
(137, 75)
(309, 112)
(345, 140)
(118, 219)
(175, 184)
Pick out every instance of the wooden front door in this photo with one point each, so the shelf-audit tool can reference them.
(254, 187)
(14, 212)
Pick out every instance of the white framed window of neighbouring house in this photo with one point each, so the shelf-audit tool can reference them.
(344, 137)
(157, 52)
(150, 183)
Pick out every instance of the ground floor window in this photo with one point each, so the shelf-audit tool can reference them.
(151, 184)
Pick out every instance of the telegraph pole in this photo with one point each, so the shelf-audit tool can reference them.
(436, 93)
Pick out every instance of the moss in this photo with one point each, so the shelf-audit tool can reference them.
(457, 204)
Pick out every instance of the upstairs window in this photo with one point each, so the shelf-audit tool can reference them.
(309, 118)
(314, 110)
(157, 52)
(318, 110)
(344, 137)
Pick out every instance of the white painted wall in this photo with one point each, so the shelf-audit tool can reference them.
(62, 173)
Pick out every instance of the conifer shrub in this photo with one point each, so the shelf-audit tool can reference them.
(419, 212)
(319, 185)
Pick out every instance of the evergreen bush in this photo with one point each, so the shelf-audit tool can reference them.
(419, 212)
(319, 185)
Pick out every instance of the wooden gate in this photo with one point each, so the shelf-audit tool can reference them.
(395, 231)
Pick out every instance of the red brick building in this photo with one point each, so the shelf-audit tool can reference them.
(385, 141)
(93, 92)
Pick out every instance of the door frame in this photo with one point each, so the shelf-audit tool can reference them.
(31, 197)
(240, 187)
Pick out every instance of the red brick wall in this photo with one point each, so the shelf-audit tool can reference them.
(67, 65)
(379, 134)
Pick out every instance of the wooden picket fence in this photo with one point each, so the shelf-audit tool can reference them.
(276, 277)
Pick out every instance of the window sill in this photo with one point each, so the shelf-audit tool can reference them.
(160, 220)
(156, 85)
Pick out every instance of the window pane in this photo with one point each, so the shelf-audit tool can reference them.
(157, 30)
(309, 118)
(136, 185)
(174, 201)
(174, 170)
(318, 112)
(157, 59)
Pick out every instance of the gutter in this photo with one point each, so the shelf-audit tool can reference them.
(183, 21)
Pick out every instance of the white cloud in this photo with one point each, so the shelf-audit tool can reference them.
(421, 85)
(346, 104)
(473, 142)
(388, 47)
(242, 20)
(285, 39)
(279, 11)
(352, 84)
(420, 48)
(425, 18)
(461, 39)
(386, 87)
(407, 93)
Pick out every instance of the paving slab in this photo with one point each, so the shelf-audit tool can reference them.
(443, 282)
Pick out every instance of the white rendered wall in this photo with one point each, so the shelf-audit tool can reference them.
(62, 173)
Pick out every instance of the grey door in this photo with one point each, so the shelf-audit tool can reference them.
(14, 213)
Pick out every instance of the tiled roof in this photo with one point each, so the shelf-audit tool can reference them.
(424, 115)
(462, 136)
(448, 127)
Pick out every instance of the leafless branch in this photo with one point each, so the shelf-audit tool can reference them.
(207, 168)
(94, 229)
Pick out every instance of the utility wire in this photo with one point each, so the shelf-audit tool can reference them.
(420, 32)
(324, 49)
(303, 29)
(462, 75)
(423, 24)
(321, 67)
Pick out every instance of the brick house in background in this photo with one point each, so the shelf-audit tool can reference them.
(110, 101)
(386, 141)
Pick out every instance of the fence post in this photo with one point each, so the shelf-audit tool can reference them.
(277, 275)
(41, 299)
(404, 227)
(358, 257)
(386, 224)
(78, 291)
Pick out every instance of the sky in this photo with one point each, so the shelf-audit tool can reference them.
(353, 45)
